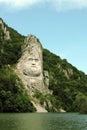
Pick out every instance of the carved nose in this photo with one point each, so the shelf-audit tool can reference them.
(33, 62)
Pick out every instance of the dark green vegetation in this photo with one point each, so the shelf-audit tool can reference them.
(13, 97)
(69, 85)
(10, 50)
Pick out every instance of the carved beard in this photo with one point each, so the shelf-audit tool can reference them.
(32, 72)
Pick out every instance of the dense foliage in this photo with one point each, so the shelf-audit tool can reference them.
(69, 85)
(13, 97)
(10, 50)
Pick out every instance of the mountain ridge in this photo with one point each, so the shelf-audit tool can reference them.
(68, 84)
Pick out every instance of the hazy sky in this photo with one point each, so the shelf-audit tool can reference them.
(60, 25)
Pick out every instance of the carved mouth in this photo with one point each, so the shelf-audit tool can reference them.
(33, 67)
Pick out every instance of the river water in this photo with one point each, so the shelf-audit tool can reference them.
(43, 121)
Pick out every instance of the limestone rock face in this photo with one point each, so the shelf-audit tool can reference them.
(46, 78)
(30, 66)
(6, 34)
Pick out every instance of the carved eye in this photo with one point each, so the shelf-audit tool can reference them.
(30, 59)
(36, 60)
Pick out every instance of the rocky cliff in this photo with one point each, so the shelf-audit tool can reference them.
(30, 68)
(6, 34)
(37, 78)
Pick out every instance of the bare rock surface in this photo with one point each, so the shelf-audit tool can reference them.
(6, 34)
(30, 67)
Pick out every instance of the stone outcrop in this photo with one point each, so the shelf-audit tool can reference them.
(30, 67)
(6, 34)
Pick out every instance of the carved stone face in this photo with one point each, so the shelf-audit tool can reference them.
(32, 66)
(33, 63)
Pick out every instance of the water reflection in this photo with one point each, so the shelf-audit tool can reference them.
(67, 121)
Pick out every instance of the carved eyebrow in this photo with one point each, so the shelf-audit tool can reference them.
(33, 59)
(30, 59)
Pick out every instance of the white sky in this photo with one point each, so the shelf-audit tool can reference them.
(59, 4)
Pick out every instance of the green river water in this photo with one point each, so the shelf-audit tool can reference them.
(43, 121)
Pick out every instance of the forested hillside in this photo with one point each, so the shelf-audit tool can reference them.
(10, 50)
(69, 85)
(13, 97)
